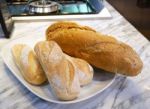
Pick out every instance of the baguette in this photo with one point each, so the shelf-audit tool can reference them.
(83, 69)
(60, 72)
(28, 64)
(100, 50)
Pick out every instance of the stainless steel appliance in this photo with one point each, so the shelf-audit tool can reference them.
(20, 10)
(43, 6)
(56, 9)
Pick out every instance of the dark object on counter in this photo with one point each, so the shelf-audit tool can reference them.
(5, 19)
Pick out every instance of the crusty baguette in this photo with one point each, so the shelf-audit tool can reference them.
(60, 72)
(100, 50)
(83, 69)
(28, 64)
(67, 25)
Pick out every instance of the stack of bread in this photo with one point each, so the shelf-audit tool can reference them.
(51, 59)
(65, 74)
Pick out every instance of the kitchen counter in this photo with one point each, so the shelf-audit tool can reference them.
(124, 93)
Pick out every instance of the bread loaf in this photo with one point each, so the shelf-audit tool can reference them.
(28, 64)
(83, 69)
(100, 50)
(60, 72)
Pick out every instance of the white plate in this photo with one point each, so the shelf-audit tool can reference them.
(101, 80)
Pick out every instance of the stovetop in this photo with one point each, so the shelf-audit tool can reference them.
(67, 7)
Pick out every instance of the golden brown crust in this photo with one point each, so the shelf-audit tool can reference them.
(66, 25)
(102, 51)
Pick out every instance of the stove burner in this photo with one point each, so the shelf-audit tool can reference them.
(43, 6)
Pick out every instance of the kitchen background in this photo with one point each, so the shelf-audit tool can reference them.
(136, 12)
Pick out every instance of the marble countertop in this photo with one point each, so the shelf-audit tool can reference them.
(124, 93)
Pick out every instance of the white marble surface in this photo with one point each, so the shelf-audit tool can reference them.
(124, 93)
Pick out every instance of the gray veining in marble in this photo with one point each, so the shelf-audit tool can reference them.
(124, 93)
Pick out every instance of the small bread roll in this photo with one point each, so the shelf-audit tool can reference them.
(60, 72)
(28, 64)
(84, 70)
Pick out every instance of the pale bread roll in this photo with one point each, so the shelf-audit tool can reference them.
(60, 72)
(84, 70)
(28, 64)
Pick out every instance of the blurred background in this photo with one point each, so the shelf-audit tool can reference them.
(136, 12)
